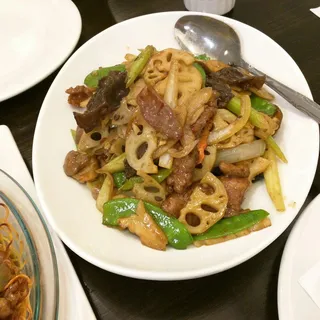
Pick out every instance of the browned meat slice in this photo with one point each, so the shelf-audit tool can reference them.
(240, 170)
(174, 202)
(74, 162)
(234, 77)
(181, 177)
(80, 166)
(103, 156)
(78, 95)
(88, 173)
(208, 113)
(158, 114)
(236, 188)
(111, 90)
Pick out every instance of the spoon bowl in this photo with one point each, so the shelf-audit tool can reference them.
(206, 35)
(201, 34)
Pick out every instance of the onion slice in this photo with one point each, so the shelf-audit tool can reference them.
(272, 180)
(166, 161)
(234, 127)
(242, 152)
(184, 151)
(171, 93)
(262, 93)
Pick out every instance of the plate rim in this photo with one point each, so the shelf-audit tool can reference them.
(287, 260)
(149, 274)
(59, 62)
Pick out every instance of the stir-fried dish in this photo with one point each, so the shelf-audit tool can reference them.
(15, 286)
(169, 143)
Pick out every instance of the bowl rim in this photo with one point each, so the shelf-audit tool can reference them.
(30, 241)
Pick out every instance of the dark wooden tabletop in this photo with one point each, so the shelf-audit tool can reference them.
(246, 292)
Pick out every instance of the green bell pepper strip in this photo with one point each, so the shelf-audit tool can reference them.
(138, 64)
(202, 72)
(263, 105)
(176, 232)
(119, 178)
(92, 79)
(203, 57)
(159, 177)
(232, 225)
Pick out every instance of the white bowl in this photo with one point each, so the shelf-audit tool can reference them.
(69, 206)
(210, 6)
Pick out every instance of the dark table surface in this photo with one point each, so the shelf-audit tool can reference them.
(248, 291)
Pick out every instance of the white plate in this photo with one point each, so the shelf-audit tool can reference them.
(36, 36)
(300, 254)
(69, 206)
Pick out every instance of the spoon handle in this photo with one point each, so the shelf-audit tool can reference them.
(297, 99)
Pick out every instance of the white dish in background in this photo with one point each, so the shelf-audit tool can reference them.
(36, 36)
(210, 6)
(301, 253)
(69, 206)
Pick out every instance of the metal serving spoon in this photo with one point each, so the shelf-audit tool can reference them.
(202, 34)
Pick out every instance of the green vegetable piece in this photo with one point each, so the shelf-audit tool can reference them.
(159, 177)
(203, 57)
(92, 79)
(128, 185)
(73, 133)
(138, 64)
(234, 105)
(233, 225)
(119, 178)
(176, 232)
(202, 72)
(259, 121)
(115, 165)
(256, 118)
(277, 150)
(116, 209)
(178, 235)
(263, 105)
